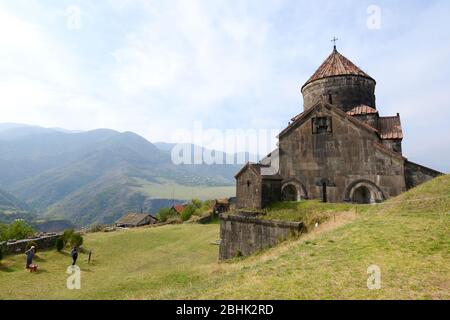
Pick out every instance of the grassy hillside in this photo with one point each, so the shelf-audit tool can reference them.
(96, 176)
(410, 243)
(12, 208)
(169, 189)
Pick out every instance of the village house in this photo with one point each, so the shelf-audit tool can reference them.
(177, 209)
(221, 206)
(135, 220)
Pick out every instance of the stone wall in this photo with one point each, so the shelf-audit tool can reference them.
(394, 145)
(349, 154)
(45, 242)
(346, 92)
(415, 174)
(271, 191)
(243, 236)
(249, 189)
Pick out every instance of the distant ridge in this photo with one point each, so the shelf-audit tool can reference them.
(94, 176)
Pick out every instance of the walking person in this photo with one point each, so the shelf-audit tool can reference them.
(30, 254)
(74, 254)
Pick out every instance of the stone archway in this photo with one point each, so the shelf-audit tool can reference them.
(364, 192)
(290, 193)
(293, 190)
(362, 195)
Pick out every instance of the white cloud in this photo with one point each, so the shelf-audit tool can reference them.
(152, 66)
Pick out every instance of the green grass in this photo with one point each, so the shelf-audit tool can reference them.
(309, 212)
(409, 242)
(150, 263)
(169, 190)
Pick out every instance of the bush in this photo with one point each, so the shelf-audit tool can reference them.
(70, 237)
(1, 253)
(96, 228)
(197, 203)
(67, 235)
(164, 214)
(59, 244)
(3, 232)
(188, 212)
(31, 244)
(17, 230)
(76, 240)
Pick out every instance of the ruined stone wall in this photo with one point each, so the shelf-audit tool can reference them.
(339, 158)
(42, 243)
(243, 236)
(346, 92)
(416, 174)
(248, 190)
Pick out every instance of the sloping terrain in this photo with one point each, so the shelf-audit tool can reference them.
(97, 176)
(409, 243)
(12, 208)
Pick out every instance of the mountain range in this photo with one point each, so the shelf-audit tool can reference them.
(96, 176)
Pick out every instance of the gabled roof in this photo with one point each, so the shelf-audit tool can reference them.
(254, 166)
(305, 115)
(390, 128)
(222, 202)
(268, 159)
(336, 65)
(362, 109)
(179, 208)
(296, 117)
(133, 218)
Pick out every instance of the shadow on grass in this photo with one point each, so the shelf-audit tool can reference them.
(39, 259)
(6, 269)
(64, 253)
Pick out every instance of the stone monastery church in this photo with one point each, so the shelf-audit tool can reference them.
(338, 149)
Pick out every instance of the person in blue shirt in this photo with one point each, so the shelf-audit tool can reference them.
(30, 254)
(74, 254)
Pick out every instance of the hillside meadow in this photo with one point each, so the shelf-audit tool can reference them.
(407, 237)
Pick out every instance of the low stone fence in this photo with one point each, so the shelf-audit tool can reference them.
(245, 235)
(16, 247)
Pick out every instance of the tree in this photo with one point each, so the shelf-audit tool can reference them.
(197, 203)
(1, 253)
(72, 238)
(17, 230)
(76, 240)
(59, 244)
(164, 214)
(3, 232)
(188, 212)
(67, 235)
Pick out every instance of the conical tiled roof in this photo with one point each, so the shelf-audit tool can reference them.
(336, 65)
(361, 109)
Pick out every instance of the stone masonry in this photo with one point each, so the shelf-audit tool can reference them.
(243, 236)
(339, 149)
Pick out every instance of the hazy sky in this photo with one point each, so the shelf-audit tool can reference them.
(155, 66)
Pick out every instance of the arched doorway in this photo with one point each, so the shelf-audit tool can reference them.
(290, 193)
(362, 196)
(364, 192)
